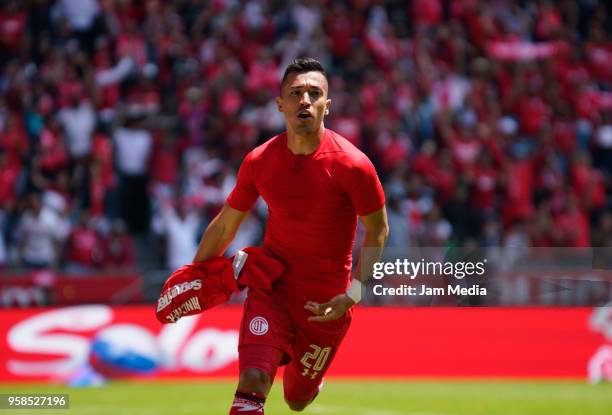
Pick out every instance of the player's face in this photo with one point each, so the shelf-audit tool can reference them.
(304, 101)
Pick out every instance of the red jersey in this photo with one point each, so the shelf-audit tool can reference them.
(84, 246)
(313, 203)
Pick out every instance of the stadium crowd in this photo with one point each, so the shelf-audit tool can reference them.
(488, 121)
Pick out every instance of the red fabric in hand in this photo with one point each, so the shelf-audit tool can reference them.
(199, 286)
(260, 270)
(196, 287)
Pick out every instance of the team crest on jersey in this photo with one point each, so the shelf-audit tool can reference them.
(258, 326)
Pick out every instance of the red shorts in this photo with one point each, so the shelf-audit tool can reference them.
(275, 331)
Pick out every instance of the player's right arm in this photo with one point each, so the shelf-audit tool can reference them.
(220, 233)
(222, 229)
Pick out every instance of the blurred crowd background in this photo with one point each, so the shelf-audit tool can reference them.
(123, 122)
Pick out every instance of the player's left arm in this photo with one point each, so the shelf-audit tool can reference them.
(376, 231)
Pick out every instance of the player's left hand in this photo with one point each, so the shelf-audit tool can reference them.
(331, 310)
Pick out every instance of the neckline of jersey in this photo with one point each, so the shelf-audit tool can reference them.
(316, 151)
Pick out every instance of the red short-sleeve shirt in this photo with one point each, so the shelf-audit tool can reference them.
(313, 202)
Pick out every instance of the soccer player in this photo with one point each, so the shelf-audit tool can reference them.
(316, 184)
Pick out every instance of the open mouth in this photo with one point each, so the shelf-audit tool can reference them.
(304, 115)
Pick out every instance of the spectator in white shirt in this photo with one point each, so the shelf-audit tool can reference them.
(181, 229)
(84, 19)
(133, 151)
(78, 121)
(133, 146)
(41, 232)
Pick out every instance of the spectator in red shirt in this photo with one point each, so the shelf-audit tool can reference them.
(340, 30)
(103, 153)
(12, 28)
(572, 224)
(549, 23)
(485, 178)
(393, 146)
(118, 248)
(541, 228)
(571, 73)
(518, 179)
(211, 73)
(465, 147)
(262, 74)
(426, 13)
(425, 162)
(193, 113)
(534, 112)
(52, 150)
(130, 43)
(587, 181)
(9, 175)
(564, 130)
(599, 51)
(166, 159)
(481, 25)
(445, 177)
(349, 125)
(83, 247)
(13, 140)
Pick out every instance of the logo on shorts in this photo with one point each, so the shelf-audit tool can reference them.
(258, 326)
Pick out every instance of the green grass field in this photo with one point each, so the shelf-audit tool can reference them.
(339, 398)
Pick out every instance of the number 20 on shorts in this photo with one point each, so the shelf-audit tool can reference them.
(315, 360)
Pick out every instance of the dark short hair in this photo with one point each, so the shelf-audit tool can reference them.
(303, 65)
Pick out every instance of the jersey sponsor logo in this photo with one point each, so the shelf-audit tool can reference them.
(258, 326)
(175, 290)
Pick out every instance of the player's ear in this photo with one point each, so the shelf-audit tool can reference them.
(327, 105)
(279, 104)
